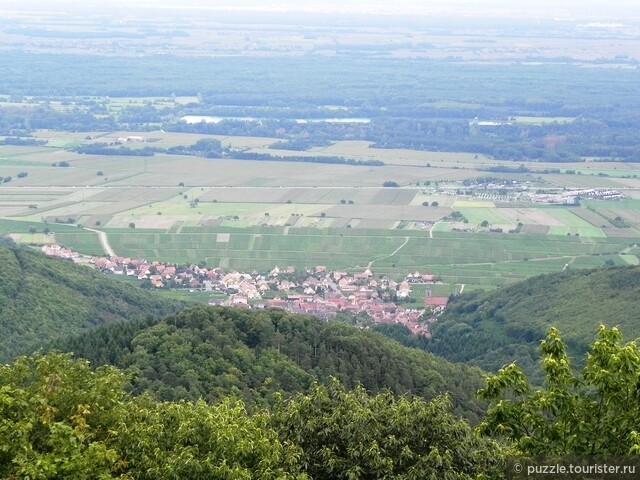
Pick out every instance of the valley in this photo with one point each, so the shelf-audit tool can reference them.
(311, 240)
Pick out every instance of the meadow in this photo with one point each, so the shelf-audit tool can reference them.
(253, 215)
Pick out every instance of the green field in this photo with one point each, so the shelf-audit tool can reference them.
(70, 236)
(481, 259)
(81, 241)
(478, 215)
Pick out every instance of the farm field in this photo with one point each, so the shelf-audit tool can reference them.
(491, 259)
(249, 214)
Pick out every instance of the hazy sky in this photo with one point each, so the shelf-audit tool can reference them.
(595, 10)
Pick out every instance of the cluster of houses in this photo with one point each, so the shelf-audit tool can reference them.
(130, 139)
(571, 197)
(55, 250)
(318, 291)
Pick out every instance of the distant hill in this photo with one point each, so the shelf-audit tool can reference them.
(214, 352)
(43, 299)
(493, 329)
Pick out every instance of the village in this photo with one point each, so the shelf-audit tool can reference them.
(318, 291)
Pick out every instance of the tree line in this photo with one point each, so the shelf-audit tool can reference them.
(212, 148)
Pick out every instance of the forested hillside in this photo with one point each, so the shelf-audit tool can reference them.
(497, 328)
(60, 419)
(43, 299)
(213, 352)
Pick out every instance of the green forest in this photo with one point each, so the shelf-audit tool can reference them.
(215, 352)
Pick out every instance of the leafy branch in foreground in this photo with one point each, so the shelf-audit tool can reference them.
(60, 419)
(594, 413)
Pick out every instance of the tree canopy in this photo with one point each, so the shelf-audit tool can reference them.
(351, 434)
(215, 352)
(45, 299)
(595, 412)
(61, 419)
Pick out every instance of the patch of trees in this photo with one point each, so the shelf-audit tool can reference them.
(106, 149)
(299, 144)
(390, 184)
(212, 148)
(457, 216)
(315, 159)
(207, 147)
(593, 412)
(208, 352)
(49, 298)
(64, 419)
(65, 220)
(401, 334)
(7, 241)
(23, 142)
(353, 434)
(506, 169)
(140, 115)
(44, 117)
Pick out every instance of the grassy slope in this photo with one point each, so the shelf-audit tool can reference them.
(492, 329)
(43, 299)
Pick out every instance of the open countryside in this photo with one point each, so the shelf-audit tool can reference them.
(254, 215)
(319, 240)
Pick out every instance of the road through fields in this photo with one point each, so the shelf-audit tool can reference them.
(104, 241)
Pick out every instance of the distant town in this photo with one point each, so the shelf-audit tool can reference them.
(318, 291)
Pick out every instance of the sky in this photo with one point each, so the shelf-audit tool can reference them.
(593, 10)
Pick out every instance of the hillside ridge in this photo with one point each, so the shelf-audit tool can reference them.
(496, 328)
(43, 299)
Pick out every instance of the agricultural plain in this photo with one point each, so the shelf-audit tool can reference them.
(255, 214)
